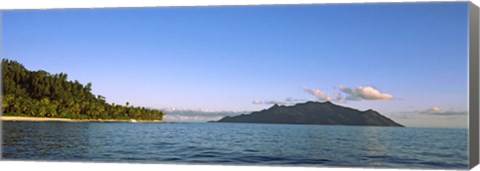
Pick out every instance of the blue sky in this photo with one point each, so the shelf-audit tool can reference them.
(411, 56)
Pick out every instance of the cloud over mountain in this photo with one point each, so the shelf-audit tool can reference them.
(349, 94)
(364, 93)
(268, 102)
(287, 101)
(342, 95)
(319, 94)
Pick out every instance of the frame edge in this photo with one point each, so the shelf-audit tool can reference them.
(474, 76)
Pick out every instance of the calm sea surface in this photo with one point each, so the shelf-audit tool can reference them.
(237, 144)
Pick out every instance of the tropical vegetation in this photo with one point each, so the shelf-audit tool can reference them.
(41, 94)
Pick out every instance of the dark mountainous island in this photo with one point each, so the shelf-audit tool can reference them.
(325, 113)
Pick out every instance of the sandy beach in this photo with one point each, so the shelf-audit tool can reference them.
(41, 119)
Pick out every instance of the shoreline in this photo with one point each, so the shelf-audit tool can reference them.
(43, 119)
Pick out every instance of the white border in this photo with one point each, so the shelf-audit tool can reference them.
(77, 166)
(68, 4)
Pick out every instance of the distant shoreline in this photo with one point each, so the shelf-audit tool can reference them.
(42, 119)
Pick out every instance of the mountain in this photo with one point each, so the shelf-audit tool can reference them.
(322, 113)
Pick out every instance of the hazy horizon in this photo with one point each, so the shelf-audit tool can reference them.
(407, 61)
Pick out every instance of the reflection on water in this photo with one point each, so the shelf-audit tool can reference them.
(229, 143)
(373, 145)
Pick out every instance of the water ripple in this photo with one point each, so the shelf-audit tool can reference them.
(239, 144)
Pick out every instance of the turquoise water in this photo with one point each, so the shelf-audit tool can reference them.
(237, 144)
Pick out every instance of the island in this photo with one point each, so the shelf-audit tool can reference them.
(322, 113)
(41, 96)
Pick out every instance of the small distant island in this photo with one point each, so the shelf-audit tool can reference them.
(322, 113)
(41, 96)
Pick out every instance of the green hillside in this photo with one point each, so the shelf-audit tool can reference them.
(41, 94)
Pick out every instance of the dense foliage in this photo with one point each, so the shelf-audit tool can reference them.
(40, 94)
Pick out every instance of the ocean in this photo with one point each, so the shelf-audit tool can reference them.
(237, 144)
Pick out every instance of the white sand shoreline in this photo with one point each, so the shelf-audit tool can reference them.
(43, 119)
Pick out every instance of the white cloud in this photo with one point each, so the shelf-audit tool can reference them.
(291, 99)
(353, 94)
(287, 101)
(433, 110)
(269, 102)
(320, 95)
(339, 98)
(181, 118)
(364, 93)
(429, 113)
(437, 111)
(257, 102)
(201, 115)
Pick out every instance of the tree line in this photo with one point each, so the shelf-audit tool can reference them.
(41, 94)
